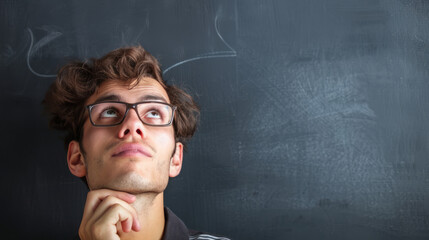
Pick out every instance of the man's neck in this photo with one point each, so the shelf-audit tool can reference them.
(150, 211)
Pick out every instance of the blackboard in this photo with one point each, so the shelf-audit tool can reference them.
(314, 122)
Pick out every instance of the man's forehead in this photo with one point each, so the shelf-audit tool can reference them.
(130, 91)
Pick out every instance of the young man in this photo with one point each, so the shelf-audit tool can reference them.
(126, 130)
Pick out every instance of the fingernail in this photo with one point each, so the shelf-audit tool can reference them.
(131, 196)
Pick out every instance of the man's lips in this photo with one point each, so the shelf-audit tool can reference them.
(131, 149)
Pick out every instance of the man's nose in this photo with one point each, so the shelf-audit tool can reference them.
(132, 125)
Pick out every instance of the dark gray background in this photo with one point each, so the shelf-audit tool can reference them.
(314, 113)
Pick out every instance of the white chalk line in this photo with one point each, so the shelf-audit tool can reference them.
(220, 36)
(38, 45)
(218, 54)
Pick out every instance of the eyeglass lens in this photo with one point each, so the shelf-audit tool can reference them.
(109, 113)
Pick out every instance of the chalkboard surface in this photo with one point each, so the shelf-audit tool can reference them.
(314, 125)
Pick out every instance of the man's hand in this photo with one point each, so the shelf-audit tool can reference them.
(106, 213)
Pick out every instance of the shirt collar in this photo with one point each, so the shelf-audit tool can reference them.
(174, 227)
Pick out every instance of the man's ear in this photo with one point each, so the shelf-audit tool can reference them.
(176, 160)
(75, 160)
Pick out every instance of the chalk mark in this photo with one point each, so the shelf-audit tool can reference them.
(218, 54)
(51, 36)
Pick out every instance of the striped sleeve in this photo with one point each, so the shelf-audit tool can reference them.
(204, 236)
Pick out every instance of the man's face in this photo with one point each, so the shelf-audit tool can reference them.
(131, 157)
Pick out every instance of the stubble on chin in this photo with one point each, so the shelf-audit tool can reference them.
(134, 183)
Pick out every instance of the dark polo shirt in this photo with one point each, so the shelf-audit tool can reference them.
(175, 229)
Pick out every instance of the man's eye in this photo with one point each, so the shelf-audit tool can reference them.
(153, 114)
(109, 113)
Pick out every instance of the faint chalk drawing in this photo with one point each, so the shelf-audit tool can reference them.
(218, 54)
(53, 35)
(45, 40)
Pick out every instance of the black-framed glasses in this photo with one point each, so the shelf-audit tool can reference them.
(112, 113)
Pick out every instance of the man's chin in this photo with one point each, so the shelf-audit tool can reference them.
(134, 184)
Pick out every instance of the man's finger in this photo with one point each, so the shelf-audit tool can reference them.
(116, 218)
(96, 196)
(116, 214)
(110, 201)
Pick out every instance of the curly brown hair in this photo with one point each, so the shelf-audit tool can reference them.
(77, 81)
